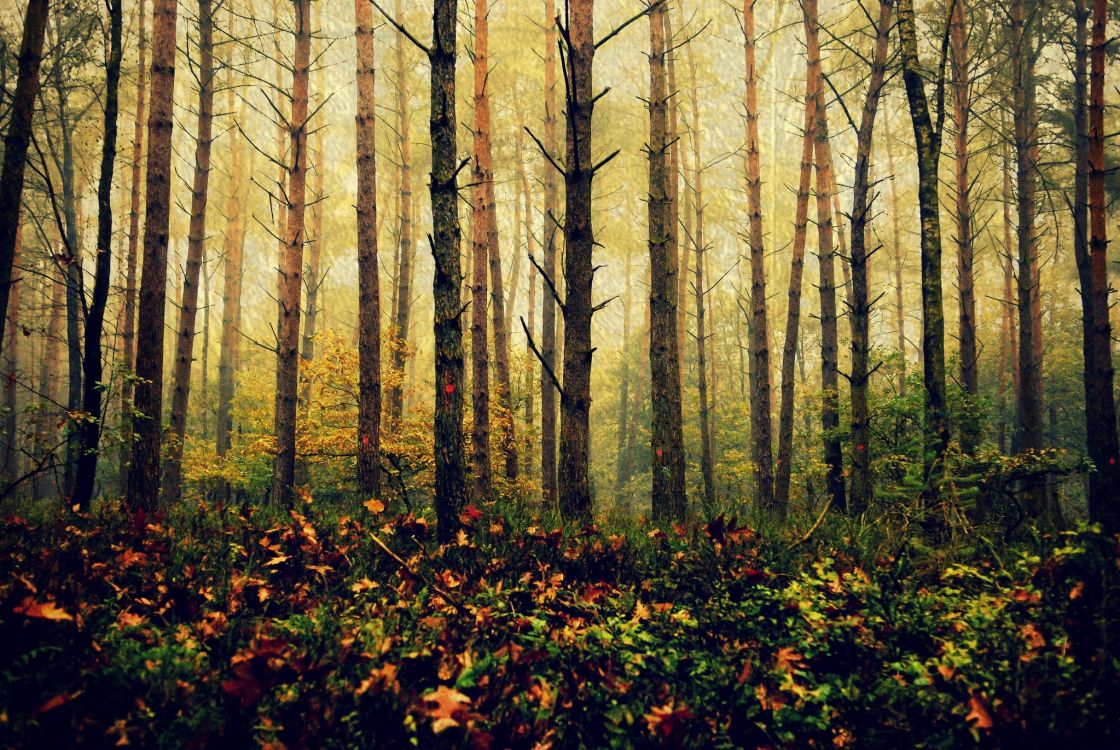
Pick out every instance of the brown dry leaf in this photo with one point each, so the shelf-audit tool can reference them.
(979, 713)
(446, 706)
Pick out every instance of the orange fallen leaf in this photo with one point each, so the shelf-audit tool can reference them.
(373, 505)
(41, 610)
(979, 713)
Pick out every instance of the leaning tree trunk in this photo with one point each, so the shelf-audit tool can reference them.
(451, 491)
(90, 428)
(759, 331)
(291, 269)
(369, 301)
(830, 395)
(143, 475)
(793, 308)
(667, 437)
(196, 249)
(1104, 483)
(927, 136)
(128, 336)
(962, 105)
(579, 244)
(551, 223)
(16, 143)
(862, 488)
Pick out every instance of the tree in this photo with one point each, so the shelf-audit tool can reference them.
(16, 142)
(862, 488)
(128, 316)
(143, 475)
(291, 267)
(90, 429)
(551, 222)
(759, 329)
(196, 250)
(830, 395)
(11, 366)
(481, 174)
(369, 301)
(927, 136)
(667, 437)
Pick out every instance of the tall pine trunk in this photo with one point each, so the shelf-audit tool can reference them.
(759, 330)
(551, 224)
(11, 367)
(196, 249)
(481, 175)
(404, 246)
(369, 298)
(232, 269)
(143, 475)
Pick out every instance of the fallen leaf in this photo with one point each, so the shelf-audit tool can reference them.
(373, 505)
(41, 610)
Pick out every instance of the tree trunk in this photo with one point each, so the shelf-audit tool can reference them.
(143, 475)
(54, 294)
(622, 456)
(551, 222)
(291, 269)
(579, 244)
(90, 429)
(11, 365)
(196, 249)
(927, 136)
(830, 396)
(667, 438)
(16, 143)
(451, 491)
(404, 270)
(128, 337)
(860, 307)
(311, 283)
(232, 269)
(480, 234)
(759, 331)
(1100, 420)
(369, 301)
(897, 257)
(962, 104)
(793, 309)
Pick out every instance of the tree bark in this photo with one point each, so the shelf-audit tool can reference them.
(405, 243)
(667, 438)
(830, 396)
(862, 488)
(90, 429)
(144, 476)
(551, 222)
(196, 249)
(759, 331)
(369, 301)
(451, 491)
(291, 269)
(16, 142)
(927, 136)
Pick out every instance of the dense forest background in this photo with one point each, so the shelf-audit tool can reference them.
(558, 373)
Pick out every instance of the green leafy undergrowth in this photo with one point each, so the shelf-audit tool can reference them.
(232, 628)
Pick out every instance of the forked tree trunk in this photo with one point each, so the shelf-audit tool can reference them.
(369, 299)
(143, 475)
(759, 331)
(196, 249)
(291, 269)
(667, 438)
(16, 143)
(90, 429)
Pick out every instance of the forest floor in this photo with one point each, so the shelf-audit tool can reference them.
(323, 628)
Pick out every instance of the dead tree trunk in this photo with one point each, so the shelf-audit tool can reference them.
(196, 249)
(369, 298)
(667, 443)
(759, 331)
(143, 475)
(861, 303)
(16, 143)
